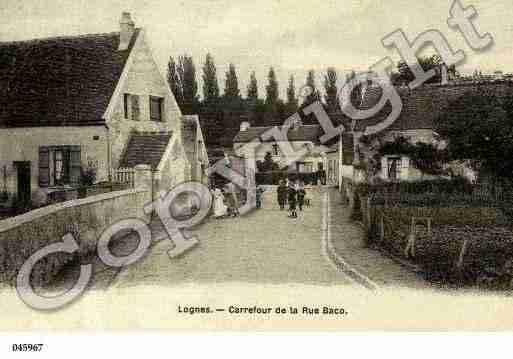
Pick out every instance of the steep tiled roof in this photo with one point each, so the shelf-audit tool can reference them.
(145, 148)
(422, 105)
(59, 81)
(301, 133)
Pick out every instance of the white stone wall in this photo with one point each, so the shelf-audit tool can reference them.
(142, 79)
(22, 144)
(261, 150)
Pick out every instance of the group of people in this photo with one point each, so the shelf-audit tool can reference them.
(225, 205)
(292, 193)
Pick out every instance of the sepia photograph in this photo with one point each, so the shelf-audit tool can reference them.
(231, 165)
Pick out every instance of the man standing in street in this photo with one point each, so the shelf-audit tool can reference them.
(292, 200)
(282, 194)
(301, 195)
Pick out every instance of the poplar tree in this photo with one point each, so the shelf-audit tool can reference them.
(330, 86)
(231, 89)
(252, 88)
(272, 89)
(291, 96)
(313, 93)
(210, 85)
(174, 82)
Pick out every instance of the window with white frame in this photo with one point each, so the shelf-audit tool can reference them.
(59, 165)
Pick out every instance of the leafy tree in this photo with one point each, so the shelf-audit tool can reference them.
(210, 85)
(174, 81)
(330, 86)
(272, 89)
(253, 88)
(478, 127)
(267, 164)
(291, 104)
(231, 89)
(356, 95)
(404, 74)
(313, 93)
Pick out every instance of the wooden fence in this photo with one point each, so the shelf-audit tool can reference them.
(126, 176)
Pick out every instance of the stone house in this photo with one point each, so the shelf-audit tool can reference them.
(421, 107)
(99, 101)
(320, 158)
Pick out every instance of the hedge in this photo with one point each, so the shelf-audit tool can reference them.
(274, 177)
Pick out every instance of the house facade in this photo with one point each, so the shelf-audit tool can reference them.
(320, 158)
(421, 107)
(82, 102)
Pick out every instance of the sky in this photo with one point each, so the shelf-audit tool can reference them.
(293, 36)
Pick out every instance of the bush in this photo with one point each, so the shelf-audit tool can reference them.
(456, 185)
(87, 175)
(4, 196)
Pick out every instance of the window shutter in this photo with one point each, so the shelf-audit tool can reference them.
(135, 107)
(75, 165)
(44, 166)
(126, 98)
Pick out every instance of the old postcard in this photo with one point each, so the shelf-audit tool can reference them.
(241, 165)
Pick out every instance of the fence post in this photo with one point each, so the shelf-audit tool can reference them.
(410, 245)
(459, 264)
(382, 231)
(368, 213)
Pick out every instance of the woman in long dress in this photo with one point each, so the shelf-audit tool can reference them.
(220, 208)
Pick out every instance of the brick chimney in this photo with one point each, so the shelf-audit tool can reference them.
(127, 28)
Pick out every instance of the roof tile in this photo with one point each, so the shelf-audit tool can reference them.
(59, 81)
(145, 148)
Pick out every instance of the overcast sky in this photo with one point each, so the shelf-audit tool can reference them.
(291, 35)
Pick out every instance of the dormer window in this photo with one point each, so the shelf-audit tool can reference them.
(156, 108)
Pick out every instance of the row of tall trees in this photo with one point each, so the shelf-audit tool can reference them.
(181, 76)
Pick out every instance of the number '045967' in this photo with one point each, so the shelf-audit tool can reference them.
(27, 347)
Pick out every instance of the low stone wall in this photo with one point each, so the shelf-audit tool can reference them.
(85, 219)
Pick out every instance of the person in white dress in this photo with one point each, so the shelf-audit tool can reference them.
(220, 208)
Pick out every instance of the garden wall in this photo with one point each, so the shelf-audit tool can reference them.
(85, 219)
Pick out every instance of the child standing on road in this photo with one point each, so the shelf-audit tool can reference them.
(282, 194)
(259, 193)
(292, 200)
(301, 193)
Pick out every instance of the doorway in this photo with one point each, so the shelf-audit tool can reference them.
(23, 177)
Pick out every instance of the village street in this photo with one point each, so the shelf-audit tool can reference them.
(267, 247)
(263, 259)
(263, 247)
(322, 247)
